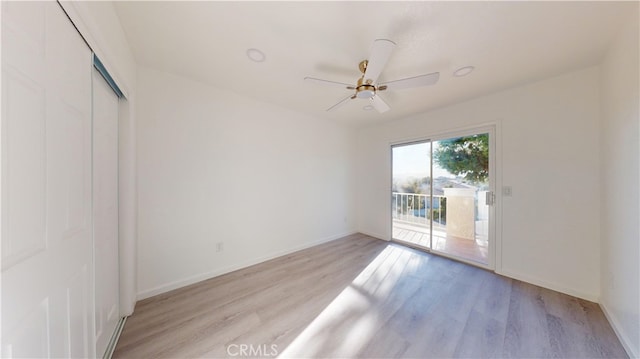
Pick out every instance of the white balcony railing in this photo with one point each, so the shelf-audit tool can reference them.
(417, 208)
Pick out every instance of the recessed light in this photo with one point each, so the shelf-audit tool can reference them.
(368, 108)
(256, 55)
(463, 71)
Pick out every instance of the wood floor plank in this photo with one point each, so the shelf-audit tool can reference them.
(362, 297)
(604, 340)
(482, 337)
(527, 332)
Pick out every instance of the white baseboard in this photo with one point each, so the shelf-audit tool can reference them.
(615, 324)
(208, 275)
(374, 235)
(549, 285)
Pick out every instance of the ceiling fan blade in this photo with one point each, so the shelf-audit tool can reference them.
(422, 80)
(379, 104)
(328, 83)
(342, 102)
(380, 54)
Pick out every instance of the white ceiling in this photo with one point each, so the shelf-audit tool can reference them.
(509, 43)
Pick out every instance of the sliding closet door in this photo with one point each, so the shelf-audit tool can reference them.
(105, 210)
(47, 265)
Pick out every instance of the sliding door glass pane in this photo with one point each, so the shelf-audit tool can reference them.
(411, 188)
(460, 186)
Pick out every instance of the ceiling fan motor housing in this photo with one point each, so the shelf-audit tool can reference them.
(365, 89)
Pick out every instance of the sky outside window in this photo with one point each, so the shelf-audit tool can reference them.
(413, 161)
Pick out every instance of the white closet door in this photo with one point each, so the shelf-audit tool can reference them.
(47, 265)
(105, 210)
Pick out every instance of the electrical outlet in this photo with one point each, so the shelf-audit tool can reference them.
(507, 191)
(219, 247)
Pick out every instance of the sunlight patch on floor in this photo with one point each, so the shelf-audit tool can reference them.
(349, 322)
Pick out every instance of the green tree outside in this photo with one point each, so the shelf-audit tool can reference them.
(466, 156)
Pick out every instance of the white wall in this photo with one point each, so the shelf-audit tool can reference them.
(620, 247)
(214, 166)
(100, 26)
(548, 135)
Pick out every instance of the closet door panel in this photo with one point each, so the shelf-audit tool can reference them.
(47, 262)
(105, 210)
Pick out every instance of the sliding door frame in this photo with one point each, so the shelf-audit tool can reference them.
(495, 182)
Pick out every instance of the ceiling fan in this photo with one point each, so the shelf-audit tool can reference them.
(367, 86)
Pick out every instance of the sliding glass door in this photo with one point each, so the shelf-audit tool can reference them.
(441, 195)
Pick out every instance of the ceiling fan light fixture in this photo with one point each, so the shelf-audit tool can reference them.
(463, 71)
(365, 89)
(366, 92)
(256, 55)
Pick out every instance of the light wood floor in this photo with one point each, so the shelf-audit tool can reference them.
(362, 297)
